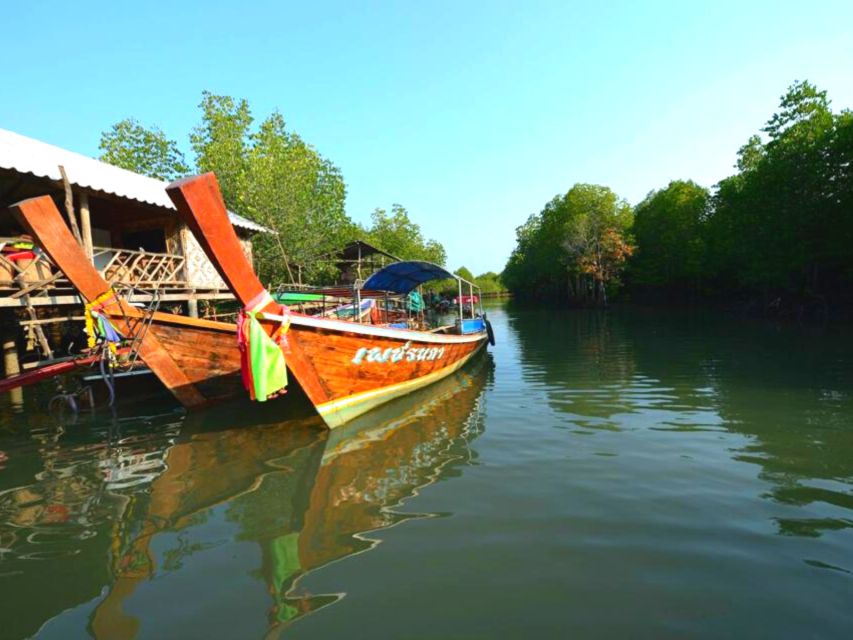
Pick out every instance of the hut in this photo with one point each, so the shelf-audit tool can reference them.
(127, 225)
(359, 259)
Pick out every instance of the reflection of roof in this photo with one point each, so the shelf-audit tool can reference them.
(402, 277)
(27, 155)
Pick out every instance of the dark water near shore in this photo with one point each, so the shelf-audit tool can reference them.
(629, 474)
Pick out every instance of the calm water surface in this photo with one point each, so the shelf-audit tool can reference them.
(629, 474)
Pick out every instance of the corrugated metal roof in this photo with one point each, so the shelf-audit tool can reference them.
(28, 155)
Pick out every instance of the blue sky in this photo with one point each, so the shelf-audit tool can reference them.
(470, 114)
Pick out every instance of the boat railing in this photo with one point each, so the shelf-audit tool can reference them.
(394, 308)
(25, 270)
(469, 324)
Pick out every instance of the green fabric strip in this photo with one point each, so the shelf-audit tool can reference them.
(269, 370)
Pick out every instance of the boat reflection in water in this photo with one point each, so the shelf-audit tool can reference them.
(221, 522)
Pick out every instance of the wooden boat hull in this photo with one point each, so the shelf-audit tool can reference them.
(207, 355)
(346, 360)
(360, 367)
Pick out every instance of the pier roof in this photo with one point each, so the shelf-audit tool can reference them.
(28, 155)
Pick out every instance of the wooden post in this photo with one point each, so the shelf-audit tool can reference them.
(358, 302)
(35, 328)
(11, 364)
(86, 225)
(192, 308)
(69, 206)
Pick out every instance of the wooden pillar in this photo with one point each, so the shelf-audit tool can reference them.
(192, 308)
(11, 364)
(86, 225)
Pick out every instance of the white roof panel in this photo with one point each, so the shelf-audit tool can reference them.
(28, 155)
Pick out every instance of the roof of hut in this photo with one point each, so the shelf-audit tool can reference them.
(28, 155)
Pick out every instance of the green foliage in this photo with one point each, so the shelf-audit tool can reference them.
(783, 224)
(490, 282)
(780, 227)
(397, 234)
(669, 233)
(269, 174)
(131, 146)
(575, 247)
(221, 144)
(272, 176)
(750, 154)
(465, 274)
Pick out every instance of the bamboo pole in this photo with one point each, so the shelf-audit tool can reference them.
(11, 364)
(69, 206)
(86, 225)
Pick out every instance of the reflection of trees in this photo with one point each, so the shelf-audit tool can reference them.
(583, 359)
(786, 388)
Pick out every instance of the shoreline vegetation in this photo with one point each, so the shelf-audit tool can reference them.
(775, 238)
(271, 175)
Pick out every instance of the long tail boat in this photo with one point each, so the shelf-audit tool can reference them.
(345, 368)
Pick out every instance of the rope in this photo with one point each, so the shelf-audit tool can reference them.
(108, 376)
(104, 339)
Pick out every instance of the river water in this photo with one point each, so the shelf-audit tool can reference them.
(622, 474)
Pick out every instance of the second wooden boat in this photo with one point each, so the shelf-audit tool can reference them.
(196, 359)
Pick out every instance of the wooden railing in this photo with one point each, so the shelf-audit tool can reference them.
(28, 277)
(138, 268)
(141, 269)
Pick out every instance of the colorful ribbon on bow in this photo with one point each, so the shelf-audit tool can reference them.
(98, 325)
(263, 366)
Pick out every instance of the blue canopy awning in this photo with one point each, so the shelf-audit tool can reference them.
(402, 277)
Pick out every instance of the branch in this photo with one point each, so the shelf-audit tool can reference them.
(284, 256)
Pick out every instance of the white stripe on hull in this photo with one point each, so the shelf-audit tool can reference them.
(341, 411)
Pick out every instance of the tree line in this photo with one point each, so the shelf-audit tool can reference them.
(777, 233)
(271, 175)
(575, 248)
